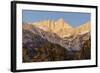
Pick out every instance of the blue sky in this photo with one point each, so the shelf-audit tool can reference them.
(73, 18)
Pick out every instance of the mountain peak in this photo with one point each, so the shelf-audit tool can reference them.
(61, 28)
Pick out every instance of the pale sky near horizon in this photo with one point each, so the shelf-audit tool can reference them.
(75, 19)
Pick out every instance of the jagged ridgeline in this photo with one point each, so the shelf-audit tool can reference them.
(55, 41)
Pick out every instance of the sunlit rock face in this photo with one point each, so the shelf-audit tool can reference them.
(61, 28)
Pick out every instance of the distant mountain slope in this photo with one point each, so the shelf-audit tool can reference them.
(84, 28)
